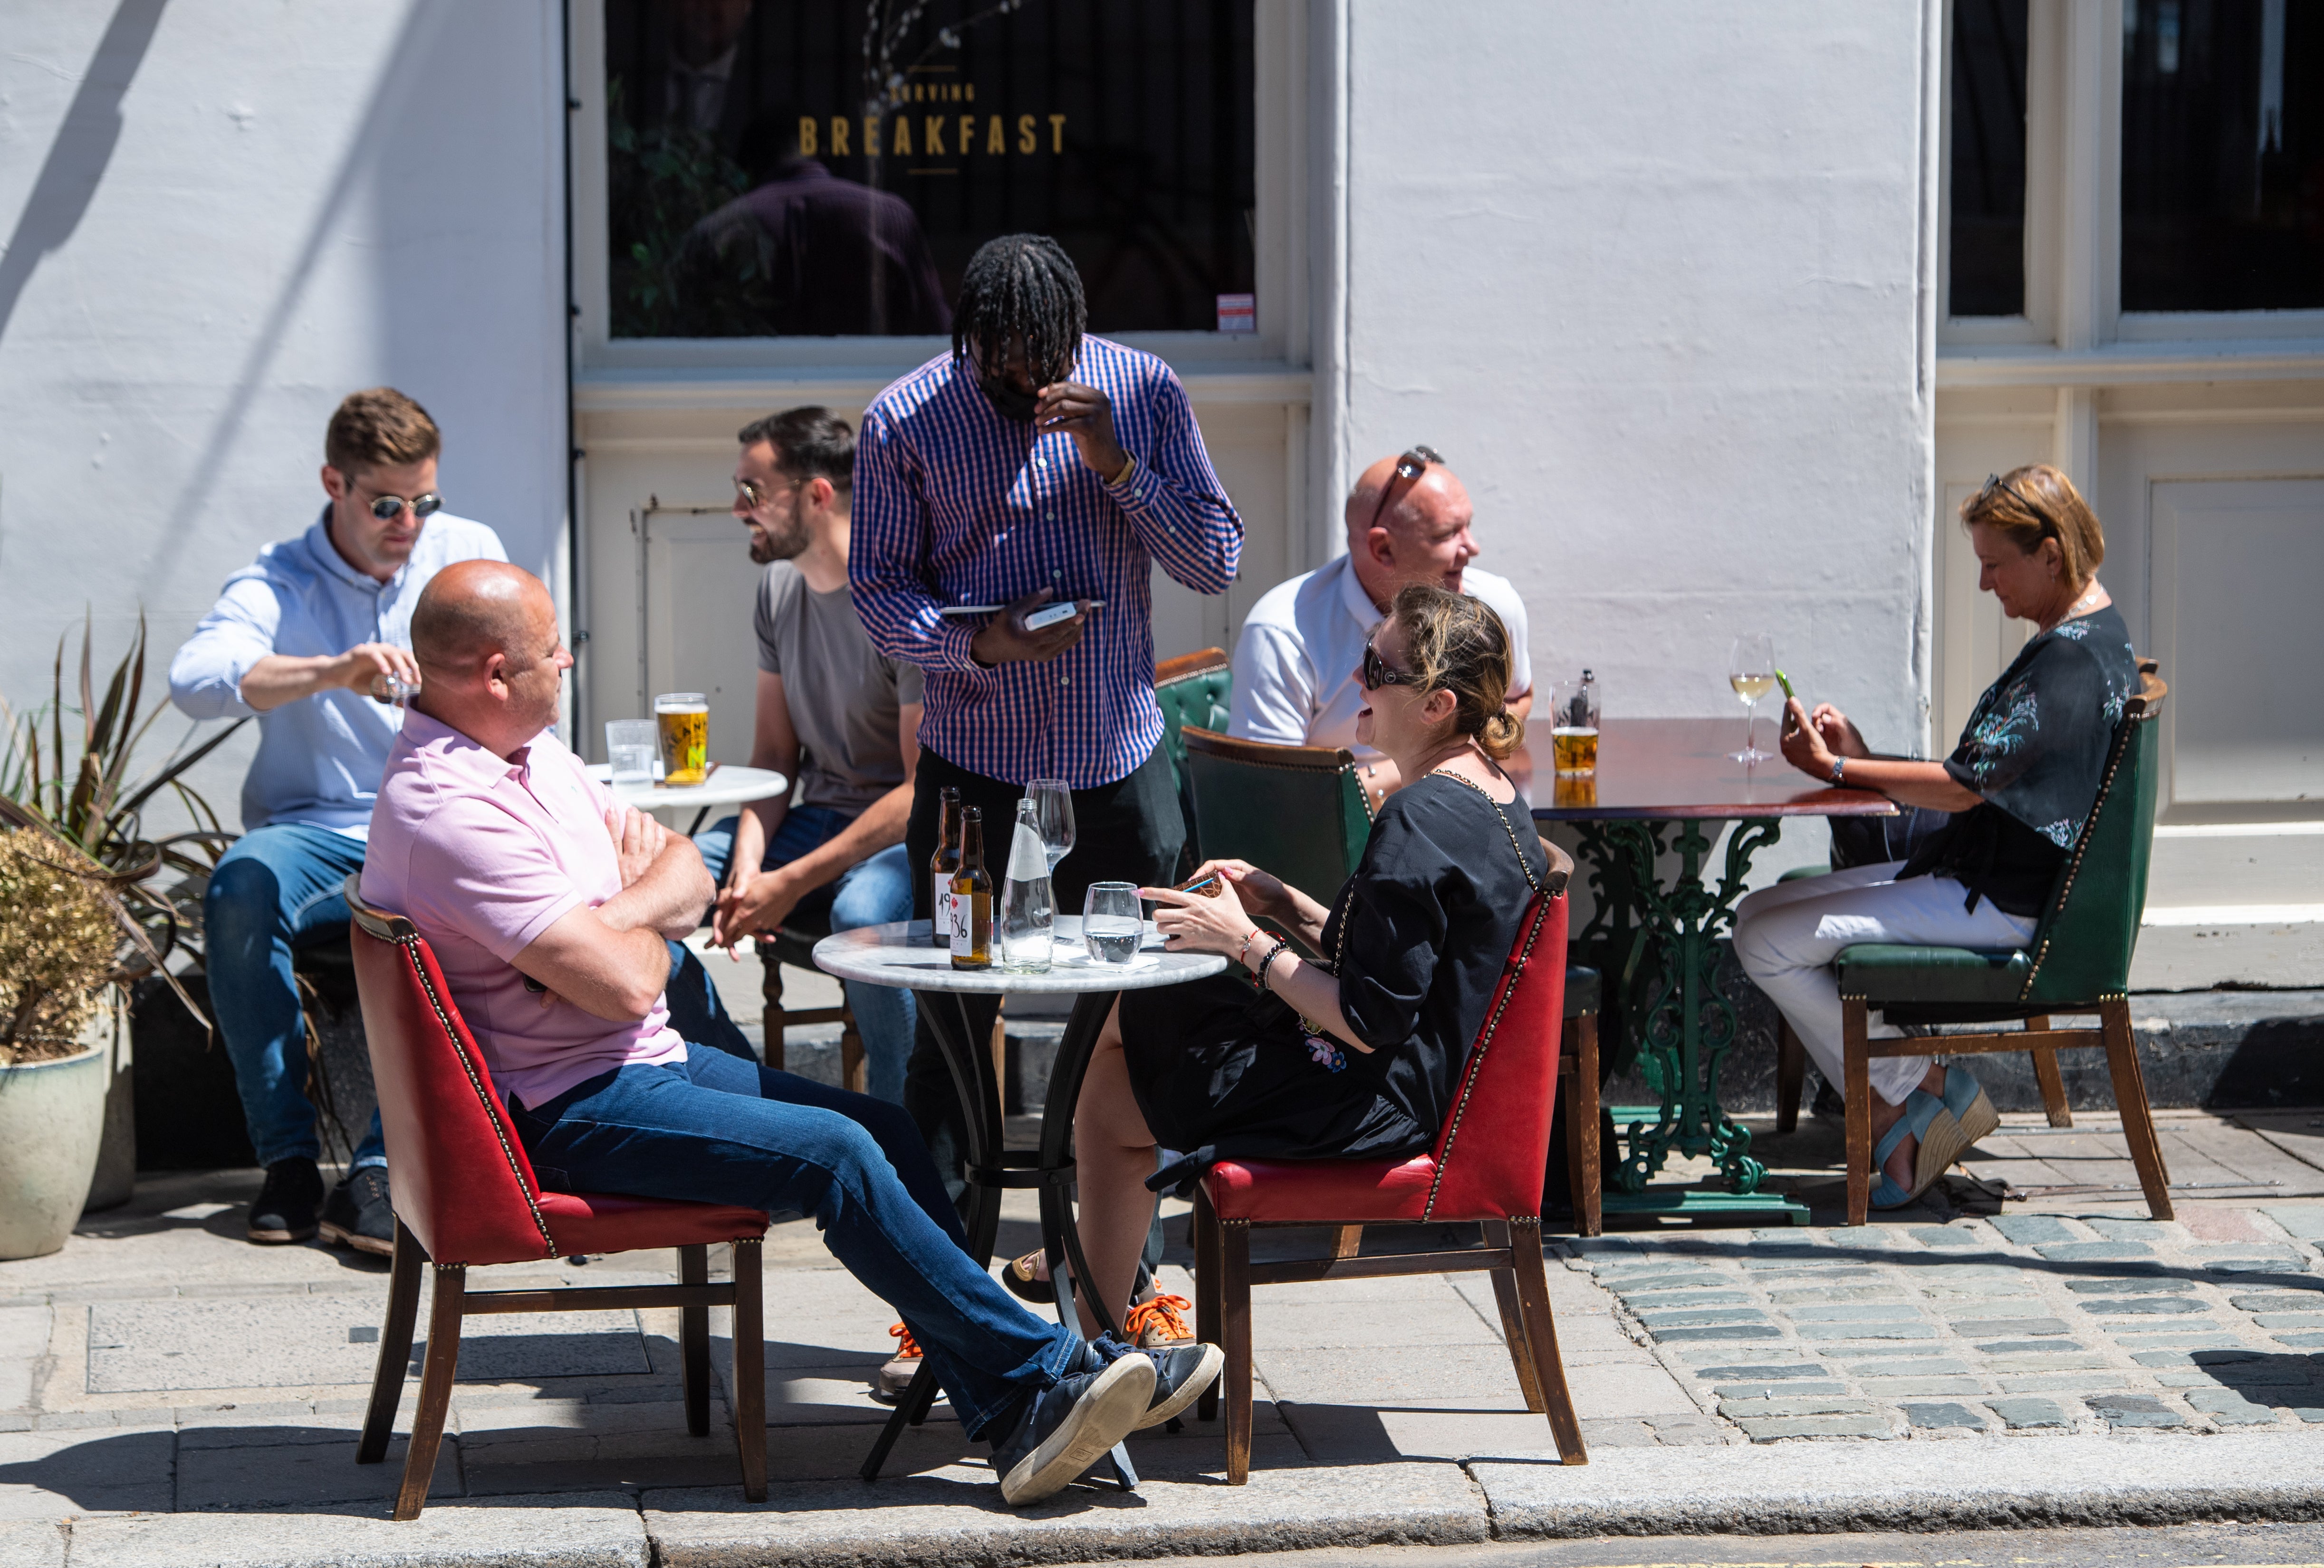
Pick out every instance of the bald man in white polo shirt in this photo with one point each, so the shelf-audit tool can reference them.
(1294, 667)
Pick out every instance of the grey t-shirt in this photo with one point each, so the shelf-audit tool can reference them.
(843, 695)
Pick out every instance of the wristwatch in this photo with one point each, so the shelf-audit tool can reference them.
(1839, 764)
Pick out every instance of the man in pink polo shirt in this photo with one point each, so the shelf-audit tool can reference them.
(548, 905)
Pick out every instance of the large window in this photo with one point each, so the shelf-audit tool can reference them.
(826, 167)
(2222, 155)
(1989, 158)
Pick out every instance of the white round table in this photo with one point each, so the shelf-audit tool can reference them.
(729, 785)
(902, 954)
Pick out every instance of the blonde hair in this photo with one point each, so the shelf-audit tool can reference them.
(1457, 644)
(2036, 503)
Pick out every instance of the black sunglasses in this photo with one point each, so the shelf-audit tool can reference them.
(386, 507)
(1376, 674)
(1411, 465)
(1994, 482)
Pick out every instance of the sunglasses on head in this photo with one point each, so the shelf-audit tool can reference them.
(386, 508)
(1410, 467)
(1377, 673)
(1994, 482)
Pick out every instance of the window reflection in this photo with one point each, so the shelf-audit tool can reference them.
(827, 167)
(2222, 155)
(1988, 158)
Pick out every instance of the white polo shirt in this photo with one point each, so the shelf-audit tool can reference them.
(1295, 667)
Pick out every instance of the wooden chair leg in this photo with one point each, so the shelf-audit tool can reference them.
(1234, 1323)
(2046, 1074)
(998, 1046)
(750, 1339)
(1347, 1240)
(435, 1389)
(770, 992)
(1582, 1119)
(1791, 1074)
(2130, 1099)
(1514, 1334)
(694, 1341)
(851, 1048)
(394, 1347)
(1209, 1318)
(1532, 1297)
(1857, 1069)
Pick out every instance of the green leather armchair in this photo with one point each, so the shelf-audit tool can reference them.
(2077, 961)
(1197, 689)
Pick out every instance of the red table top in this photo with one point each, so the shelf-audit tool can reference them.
(1680, 768)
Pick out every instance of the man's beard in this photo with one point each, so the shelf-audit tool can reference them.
(780, 543)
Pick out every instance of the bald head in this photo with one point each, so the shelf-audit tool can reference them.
(1420, 536)
(491, 663)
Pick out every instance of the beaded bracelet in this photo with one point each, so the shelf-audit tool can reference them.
(1267, 963)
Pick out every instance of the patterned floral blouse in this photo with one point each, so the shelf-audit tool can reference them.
(2037, 750)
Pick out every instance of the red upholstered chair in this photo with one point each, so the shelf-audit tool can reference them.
(1486, 1165)
(464, 1195)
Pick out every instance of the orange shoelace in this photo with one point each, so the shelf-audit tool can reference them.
(907, 1347)
(1167, 1313)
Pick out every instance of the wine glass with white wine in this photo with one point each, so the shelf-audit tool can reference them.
(1751, 671)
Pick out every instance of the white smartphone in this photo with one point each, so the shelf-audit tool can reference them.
(1050, 615)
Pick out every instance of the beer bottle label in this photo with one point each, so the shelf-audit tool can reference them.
(940, 911)
(963, 944)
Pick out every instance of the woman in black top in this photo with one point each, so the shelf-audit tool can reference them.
(1358, 1055)
(2020, 786)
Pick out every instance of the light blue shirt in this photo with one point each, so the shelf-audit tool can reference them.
(319, 759)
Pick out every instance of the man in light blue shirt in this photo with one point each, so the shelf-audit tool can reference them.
(313, 638)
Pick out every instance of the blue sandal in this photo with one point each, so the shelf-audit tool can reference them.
(1922, 1109)
(1965, 1098)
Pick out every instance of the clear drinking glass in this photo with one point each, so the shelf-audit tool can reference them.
(630, 747)
(1751, 671)
(1574, 726)
(1052, 815)
(1112, 922)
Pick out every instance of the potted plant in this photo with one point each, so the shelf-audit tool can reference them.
(80, 917)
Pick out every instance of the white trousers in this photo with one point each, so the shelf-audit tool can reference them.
(1788, 935)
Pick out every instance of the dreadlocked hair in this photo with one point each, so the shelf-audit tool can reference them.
(1021, 286)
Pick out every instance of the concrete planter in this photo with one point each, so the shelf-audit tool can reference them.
(51, 1122)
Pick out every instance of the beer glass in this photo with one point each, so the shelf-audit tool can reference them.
(630, 750)
(1112, 922)
(1751, 671)
(1574, 726)
(685, 720)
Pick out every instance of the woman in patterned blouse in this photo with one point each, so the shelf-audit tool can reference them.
(2020, 785)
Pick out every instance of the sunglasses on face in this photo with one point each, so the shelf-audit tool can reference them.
(1377, 673)
(755, 495)
(1408, 467)
(387, 508)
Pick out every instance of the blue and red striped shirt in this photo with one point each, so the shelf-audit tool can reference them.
(954, 504)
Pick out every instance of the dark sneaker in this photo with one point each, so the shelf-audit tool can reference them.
(285, 1208)
(1181, 1373)
(357, 1213)
(1072, 1423)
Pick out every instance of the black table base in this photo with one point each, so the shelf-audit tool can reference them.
(992, 1168)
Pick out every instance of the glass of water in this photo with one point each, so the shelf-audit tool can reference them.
(1112, 922)
(631, 746)
(1053, 816)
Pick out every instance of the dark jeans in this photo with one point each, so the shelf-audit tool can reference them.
(1128, 831)
(713, 1129)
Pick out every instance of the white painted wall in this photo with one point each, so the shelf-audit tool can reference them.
(222, 216)
(1654, 277)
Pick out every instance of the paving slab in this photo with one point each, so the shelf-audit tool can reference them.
(954, 1516)
(600, 1532)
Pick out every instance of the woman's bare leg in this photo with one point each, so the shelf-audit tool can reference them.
(1113, 1154)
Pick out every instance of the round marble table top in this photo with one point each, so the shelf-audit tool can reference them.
(732, 785)
(898, 954)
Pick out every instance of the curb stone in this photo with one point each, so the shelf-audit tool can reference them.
(1824, 1489)
(583, 1530)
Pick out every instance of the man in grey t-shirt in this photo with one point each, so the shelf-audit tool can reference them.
(834, 714)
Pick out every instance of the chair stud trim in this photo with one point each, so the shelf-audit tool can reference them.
(1476, 1054)
(2127, 738)
(410, 945)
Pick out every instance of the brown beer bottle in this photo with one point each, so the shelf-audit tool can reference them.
(941, 865)
(972, 897)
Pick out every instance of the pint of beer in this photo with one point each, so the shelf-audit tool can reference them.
(1576, 749)
(1573, 724)
(685, 720)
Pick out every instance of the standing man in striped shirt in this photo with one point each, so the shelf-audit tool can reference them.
(1034, 462)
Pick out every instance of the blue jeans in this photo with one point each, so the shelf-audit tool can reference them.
(277, 888)
(871, 892)
(715, 1130)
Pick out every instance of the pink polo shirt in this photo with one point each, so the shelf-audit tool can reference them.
(483, 856)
